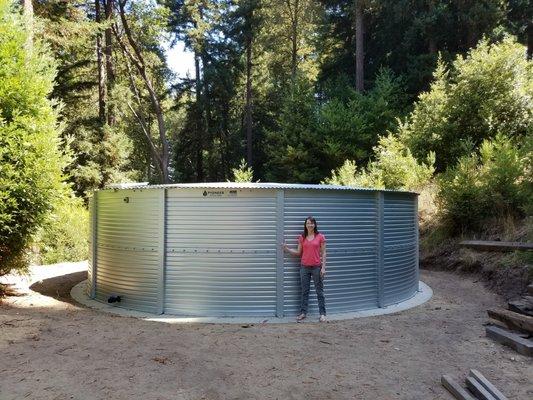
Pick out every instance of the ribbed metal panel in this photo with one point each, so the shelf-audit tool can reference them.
(220, 253)
(400, 247)
(89, 286)
(127, 252)
(348, 220)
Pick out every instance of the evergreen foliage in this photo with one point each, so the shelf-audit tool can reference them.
(490, 91)
(101, 154)
(294, 149)
(244, 173)
(497, 182)
(394, 167)
(350, 122)
(30, 161)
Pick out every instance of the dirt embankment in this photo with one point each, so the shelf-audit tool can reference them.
(505, 273)
(54, 349)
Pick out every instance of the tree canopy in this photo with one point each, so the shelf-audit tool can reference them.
(369, 92)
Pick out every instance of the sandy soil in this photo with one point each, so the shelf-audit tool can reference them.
(52, 348)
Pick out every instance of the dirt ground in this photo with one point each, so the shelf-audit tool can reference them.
(52, 348)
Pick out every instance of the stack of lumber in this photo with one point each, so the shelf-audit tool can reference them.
(478, 386)
(514, 327)
(487, 245)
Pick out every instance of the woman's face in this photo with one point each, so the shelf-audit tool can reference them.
(310, 225)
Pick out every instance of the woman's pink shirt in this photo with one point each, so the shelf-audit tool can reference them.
(311, 250)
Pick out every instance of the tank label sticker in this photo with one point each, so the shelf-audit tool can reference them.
(219, 193)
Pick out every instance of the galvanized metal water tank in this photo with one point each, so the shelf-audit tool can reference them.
(213, 249)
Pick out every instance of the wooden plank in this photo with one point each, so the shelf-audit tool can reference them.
(520, 306)
(496, 245)
(479, 391)
(455, 389)
(513, 320)
(489, 387)
(503, 336)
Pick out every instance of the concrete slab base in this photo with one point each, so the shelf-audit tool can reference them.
(423, 294)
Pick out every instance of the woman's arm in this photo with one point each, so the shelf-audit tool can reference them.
(323, 251)
(296, 253)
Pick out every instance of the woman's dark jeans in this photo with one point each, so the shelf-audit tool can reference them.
(305, 278)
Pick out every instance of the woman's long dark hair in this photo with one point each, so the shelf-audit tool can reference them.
(305, 228)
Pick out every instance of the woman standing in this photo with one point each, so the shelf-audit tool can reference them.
(312, 249)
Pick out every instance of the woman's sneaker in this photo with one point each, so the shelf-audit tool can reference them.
(322, 319)
(301, 317)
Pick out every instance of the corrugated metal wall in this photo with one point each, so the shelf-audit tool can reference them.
(216, 252)
(221, 252)
(92, 220)
(128, 247)
(400, 237)
(348, 220)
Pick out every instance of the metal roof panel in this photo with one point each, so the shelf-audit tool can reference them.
(245, 185)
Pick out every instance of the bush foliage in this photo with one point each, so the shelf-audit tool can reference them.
(393, 168)
(30, 162)
(497, 182)
(244, 173)
(488, 92)
(64, 233)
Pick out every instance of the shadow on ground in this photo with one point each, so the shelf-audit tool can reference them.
(59, 287)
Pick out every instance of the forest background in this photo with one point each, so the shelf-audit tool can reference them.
(424, 95)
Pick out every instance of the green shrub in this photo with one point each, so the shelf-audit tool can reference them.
(503, 175)
(30, 162)
(460, 195)
(393, 168)
(489, 92)
(64, 233)
(495, 183)
(526, 156)
(243, 173)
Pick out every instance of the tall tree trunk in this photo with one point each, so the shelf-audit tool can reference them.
(110, 69)
(101, 83)
(27, 9)
(359, 50)
(432, 44)
(27, 6)
(467, 33)
(248, 115)
(199, 110)
(162, 155)
(225, 145)
(294, 14)
(206, 113)
(529, 40)
(471, 38)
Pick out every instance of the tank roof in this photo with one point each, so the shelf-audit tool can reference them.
(245, 185)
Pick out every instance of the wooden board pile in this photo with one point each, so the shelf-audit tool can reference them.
(485, 245)
(479, 387)
(514, 327)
